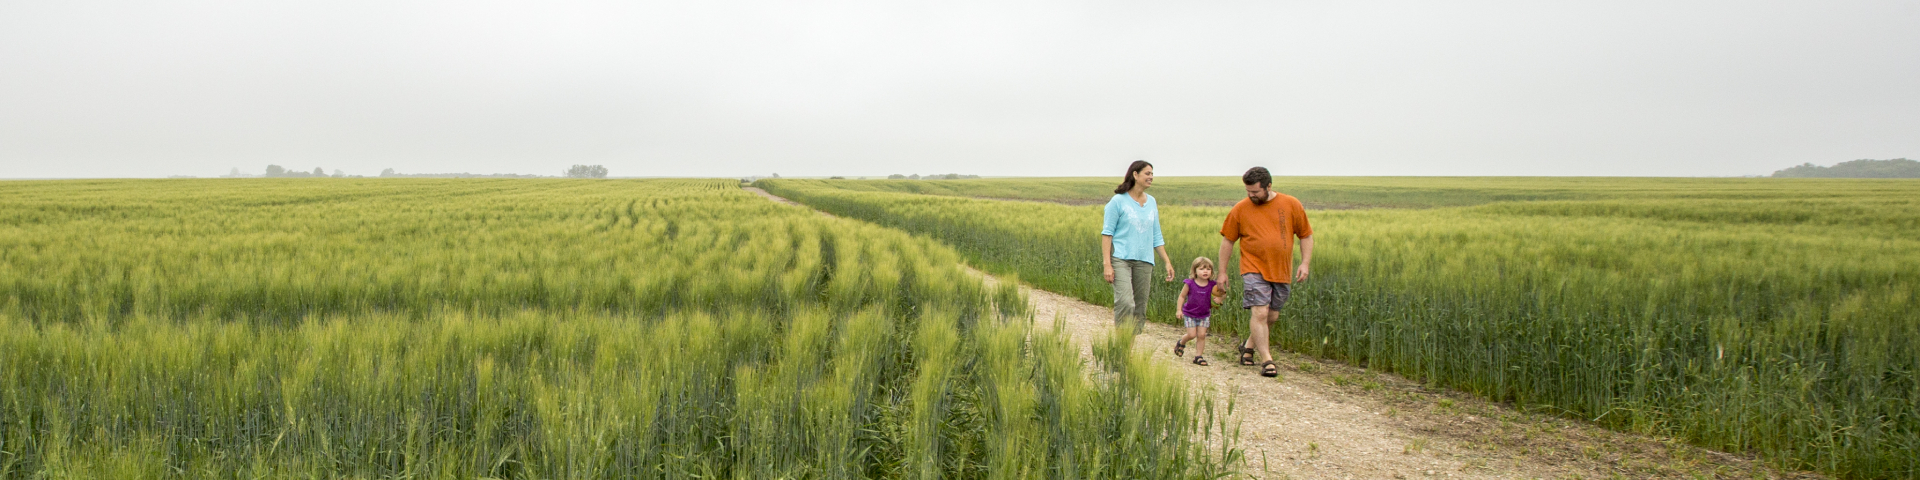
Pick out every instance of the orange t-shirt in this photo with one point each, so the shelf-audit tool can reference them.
(1266, 234)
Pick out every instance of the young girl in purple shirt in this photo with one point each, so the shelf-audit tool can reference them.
(1198, 296)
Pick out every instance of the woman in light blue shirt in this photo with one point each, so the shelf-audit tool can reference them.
(1129, 238)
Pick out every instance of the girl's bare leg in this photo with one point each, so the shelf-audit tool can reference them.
(1200, 340)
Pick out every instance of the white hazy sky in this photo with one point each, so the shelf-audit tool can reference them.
(1027, 88)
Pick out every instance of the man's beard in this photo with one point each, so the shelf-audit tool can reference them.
(1260, 199)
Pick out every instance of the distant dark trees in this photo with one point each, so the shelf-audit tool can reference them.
(587, 171)
(1894, 168)
(276, 171)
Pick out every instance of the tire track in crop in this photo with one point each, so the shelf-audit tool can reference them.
(1331, 420)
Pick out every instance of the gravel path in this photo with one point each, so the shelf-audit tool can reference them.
(1327, 420)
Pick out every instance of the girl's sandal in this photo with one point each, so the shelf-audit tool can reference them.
(1269, 370)
(1246, 356)
(1200, 360)
(1179, 349)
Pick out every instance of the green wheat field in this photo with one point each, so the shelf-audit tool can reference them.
(539, 329)
(520, 328)
(1778, 317)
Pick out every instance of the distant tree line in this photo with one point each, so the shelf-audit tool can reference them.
(587, 171)
(950, 176)
(1895, 168)
(276, 171)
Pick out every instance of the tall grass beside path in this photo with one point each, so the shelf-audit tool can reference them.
(1776, 318)
(1051, 246)
(332, 328)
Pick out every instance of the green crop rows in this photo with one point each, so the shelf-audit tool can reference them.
(1780, 317)
(538, 329)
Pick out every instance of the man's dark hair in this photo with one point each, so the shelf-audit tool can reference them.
(1257, 175)
(1126, 182)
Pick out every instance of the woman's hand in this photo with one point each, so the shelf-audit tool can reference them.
(1169, 271)
(1108, 272)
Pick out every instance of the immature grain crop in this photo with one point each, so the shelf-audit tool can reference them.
(521, 329)
(1755, 315)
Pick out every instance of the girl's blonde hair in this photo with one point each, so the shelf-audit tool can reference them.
(1193, 271)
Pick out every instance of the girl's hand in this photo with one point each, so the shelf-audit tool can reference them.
(1108, 273)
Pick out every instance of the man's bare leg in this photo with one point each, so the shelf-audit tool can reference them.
(1266, 354)
(1257, 332)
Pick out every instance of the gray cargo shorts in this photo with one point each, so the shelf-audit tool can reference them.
(1257, 291)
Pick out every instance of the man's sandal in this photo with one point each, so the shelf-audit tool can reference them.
(1179, 349)
(1246, 356)
(1200, 360)
(1269, 370)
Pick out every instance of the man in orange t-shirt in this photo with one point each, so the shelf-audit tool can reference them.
(1266, 224)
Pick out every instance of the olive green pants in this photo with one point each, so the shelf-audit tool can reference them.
(1132, 280)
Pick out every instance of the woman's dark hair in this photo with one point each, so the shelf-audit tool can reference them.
(1126, 182)
(1257, 175)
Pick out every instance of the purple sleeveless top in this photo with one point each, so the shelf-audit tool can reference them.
(1199, 300)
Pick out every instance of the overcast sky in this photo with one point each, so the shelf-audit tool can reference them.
(1018, 88)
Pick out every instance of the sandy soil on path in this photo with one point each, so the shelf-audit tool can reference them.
(1329, 420)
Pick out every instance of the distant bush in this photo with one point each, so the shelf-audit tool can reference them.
(276, 171)
(1895, 168)
(591, 171)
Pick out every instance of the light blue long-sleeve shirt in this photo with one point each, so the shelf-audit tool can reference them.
(1135, 228)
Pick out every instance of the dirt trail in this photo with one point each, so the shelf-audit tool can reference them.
(1330, 420)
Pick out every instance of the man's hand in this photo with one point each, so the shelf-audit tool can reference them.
(1108, 273)
(1306, 258)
